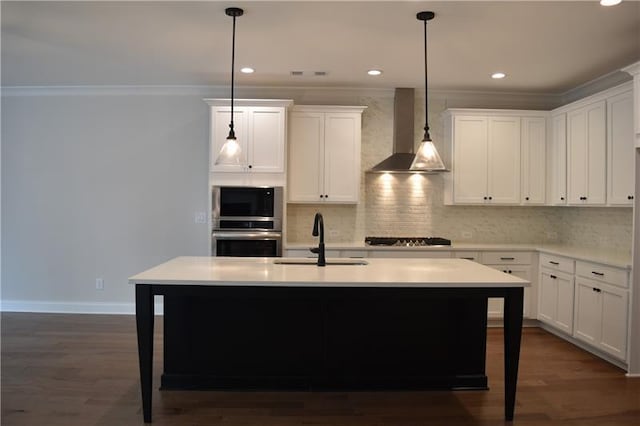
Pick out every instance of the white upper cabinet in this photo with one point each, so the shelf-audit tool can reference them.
(324, 154)
(499, 157)
(534, 160)
(503, 186)
(558, 160)
(260, 128)
(470, 159)
(586, 154)
(620, 150)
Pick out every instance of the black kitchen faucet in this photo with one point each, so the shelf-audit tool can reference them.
(318, 230)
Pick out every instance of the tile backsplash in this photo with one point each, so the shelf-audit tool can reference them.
(413, 204)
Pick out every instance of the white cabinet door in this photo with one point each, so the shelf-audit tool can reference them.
(547, 301)
(620, 150)
(503, 184)
(586, 155)
(588, 315)
(534, 160)
(558, 158)
(555, 299)
(615, 308)
(306, 156)
(601, 316)
(267, 134)
(471, 144)
(342, 157)
(220, 119)
(564, 313)
(324, 155)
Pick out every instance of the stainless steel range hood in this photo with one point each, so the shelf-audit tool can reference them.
(403, 154)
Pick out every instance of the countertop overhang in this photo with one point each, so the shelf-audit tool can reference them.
(261, 271)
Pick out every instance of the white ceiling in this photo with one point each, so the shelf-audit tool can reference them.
(544, 47)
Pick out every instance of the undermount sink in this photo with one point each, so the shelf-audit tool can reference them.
(314, 262)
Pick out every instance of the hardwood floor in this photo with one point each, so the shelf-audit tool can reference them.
(83, 370)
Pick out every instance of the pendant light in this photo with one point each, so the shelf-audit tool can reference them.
(427, 158)
(230, 152)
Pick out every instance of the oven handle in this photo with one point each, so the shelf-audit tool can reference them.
(247, 235)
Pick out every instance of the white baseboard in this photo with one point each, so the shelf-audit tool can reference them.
(73, 307)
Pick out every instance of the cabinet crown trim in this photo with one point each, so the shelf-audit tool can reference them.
(328, 108)
(597, 97)
(526, 113)
(285, 103)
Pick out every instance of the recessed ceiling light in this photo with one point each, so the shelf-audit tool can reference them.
(374, 72)
(609, 2)
(247, 70)
(498, 75)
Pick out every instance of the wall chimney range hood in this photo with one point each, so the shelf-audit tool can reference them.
(403, 154)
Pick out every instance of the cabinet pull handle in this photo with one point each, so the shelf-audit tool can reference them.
(491, 198)
(510, 271)
(553, 276)
(485, 198)
(526, 198)
(600, 274)
(468, 258)
(250, 166)
(507, 258)
(321, 196)
(554, 263)
(561, 198)
(597, 290)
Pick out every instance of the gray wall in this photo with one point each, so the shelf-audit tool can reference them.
(98, 186)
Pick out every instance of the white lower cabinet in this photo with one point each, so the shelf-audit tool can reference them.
(601, 315)
(555, 302)
(496, 305)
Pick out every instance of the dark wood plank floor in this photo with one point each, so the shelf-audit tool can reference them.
(82, 370)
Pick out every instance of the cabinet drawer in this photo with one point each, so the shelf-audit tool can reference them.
(557, 262)
(602, 273)
(506, 258)
(469, 255)
(413, 254)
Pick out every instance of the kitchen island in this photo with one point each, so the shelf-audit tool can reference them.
(254, 323)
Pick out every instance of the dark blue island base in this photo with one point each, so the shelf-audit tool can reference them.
(324, 338)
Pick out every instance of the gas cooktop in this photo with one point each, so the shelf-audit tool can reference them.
(407, 241)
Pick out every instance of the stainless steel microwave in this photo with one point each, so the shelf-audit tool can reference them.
(247, 207)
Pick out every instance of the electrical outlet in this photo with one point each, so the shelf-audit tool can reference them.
(99, 284)
(200, 217)
(466, 235)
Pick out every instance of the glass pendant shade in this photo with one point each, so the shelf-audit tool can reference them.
(427, 158)
(230, 153)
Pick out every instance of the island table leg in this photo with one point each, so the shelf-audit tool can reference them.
(512, 335)
(144, 323)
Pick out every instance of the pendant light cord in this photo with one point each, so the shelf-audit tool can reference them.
(426, 137)
(232, 134)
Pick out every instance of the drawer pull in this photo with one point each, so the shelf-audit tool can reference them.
(600, 274)
(507, 258)
(553, 276)
(554, 263)
(597, 290)
(468, 258)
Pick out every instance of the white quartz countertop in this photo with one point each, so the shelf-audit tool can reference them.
(608, 257)
(261, 271)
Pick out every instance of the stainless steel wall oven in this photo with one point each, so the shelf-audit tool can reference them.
(247, 221)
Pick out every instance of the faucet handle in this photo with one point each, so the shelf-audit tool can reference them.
(314, 250)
